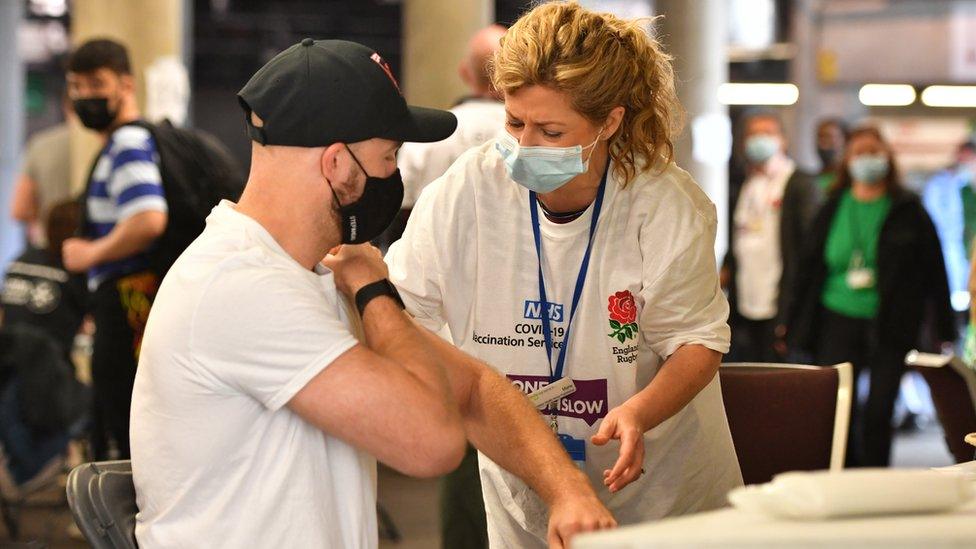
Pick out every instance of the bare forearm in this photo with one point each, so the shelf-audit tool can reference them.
(502, 423)
(130, 236)
(23, 206)
(682, 376)
(391, 333)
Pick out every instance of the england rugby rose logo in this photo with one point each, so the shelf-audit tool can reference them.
(623, 316)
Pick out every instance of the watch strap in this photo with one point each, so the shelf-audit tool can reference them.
(376, 289)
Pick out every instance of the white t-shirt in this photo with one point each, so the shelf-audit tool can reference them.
(467, 258)
(218, 460)
(479, 120)
(757, 244)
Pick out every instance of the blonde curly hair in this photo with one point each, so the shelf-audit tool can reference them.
(601, 61)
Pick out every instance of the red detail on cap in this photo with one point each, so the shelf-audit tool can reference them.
(386, 68)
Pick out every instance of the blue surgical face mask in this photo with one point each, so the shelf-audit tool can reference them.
(868, 168)
(543, 169)
(760, 148)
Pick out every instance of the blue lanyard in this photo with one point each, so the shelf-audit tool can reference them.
(557, 374)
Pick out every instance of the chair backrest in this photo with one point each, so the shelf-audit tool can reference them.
(953, 388)
(103, 502)
(787, 417)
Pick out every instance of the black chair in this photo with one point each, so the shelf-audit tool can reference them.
(103, 502)
(787, 417)
(953, 388)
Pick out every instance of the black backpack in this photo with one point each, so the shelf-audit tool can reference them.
(197, 172)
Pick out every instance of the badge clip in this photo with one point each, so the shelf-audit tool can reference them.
(541, 398)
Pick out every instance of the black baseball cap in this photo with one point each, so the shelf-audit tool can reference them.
(320, 92)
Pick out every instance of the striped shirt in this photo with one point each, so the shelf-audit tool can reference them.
(126, 181)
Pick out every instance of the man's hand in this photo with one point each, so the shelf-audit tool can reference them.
(581, 512)
(355, 266)
(79, 254)
(623, 424)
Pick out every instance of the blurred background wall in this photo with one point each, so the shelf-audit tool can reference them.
(818, 54)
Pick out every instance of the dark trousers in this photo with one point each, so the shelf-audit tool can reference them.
(120, 309)
(753, 341)
(846, 339)
(27, 449)
(464, 524)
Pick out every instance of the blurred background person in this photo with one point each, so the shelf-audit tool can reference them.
(38, 291)
(770, 212)
(46, 178)
(42, 404)
(481, 115)
(125, 211)
(871, 271)
(831, 137)
(951, 202)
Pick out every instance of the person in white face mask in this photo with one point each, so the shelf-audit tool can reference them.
(576, 258)
(770, 211)
(871, 273)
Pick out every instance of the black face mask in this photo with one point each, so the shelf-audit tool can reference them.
(94, 112)
(827, 157)
(368, 217)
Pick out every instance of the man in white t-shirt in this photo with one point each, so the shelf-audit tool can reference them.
(256, 414)
(771, 211)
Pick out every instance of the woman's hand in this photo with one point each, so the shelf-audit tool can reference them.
(623, 424)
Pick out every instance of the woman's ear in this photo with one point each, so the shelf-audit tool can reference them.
(614, 119)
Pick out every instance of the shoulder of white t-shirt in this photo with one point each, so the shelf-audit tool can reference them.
(476, 171)
(672, 186)
(478, 121)
(130, 137)
(480, 108)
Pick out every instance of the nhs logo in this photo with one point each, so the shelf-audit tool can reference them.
(533, 309)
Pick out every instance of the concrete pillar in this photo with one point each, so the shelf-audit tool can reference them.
(149, 29)
(695, 34)
(435, 36)
(12, 128)
(803, 73)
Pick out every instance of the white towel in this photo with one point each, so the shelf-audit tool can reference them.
(819, 495)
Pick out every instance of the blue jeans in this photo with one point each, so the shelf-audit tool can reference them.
(27, 451)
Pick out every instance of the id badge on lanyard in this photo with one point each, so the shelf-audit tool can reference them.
(559, 387)
(859, 275)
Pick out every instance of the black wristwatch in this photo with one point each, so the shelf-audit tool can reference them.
(376, 289)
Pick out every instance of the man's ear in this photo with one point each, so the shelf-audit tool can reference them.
(127, 83)
(464, 72)
(330, 163)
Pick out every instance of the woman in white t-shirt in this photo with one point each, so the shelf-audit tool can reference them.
(576, 222)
